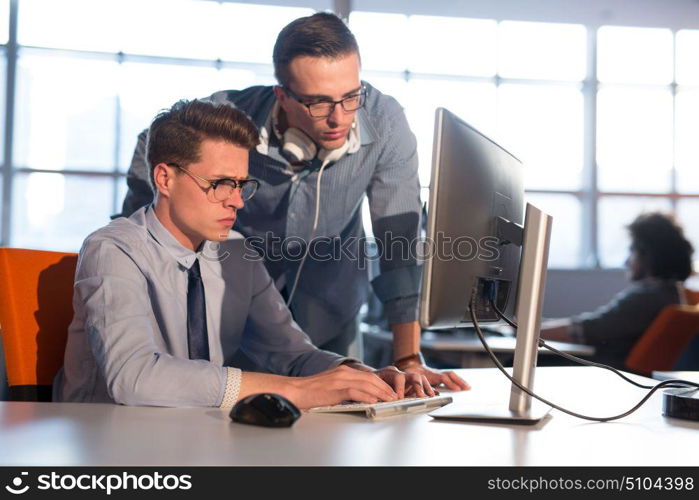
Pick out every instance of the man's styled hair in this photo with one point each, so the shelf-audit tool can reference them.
(176, 134)
(662, 247)
(321, 35)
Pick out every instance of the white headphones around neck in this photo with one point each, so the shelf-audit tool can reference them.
(298, 147)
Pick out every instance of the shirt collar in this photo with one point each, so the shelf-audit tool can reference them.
(184, 256)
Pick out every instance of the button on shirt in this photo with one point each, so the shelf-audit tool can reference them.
(128, 339)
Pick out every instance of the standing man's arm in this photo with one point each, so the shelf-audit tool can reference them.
(140, 191)
(394, 200)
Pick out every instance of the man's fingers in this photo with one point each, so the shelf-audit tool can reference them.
(454, 382)
(427, 386)
(371, 383)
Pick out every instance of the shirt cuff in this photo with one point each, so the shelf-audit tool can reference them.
(402, 310)
(397, 283)
(233, 378)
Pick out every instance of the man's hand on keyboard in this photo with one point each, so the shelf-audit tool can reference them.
(342, 383)
(403, 383)
(406, 384)
(436, 378)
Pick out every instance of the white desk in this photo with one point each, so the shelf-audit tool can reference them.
(692, 376)
(91, 434)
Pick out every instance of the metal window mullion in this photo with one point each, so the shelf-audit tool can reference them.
(10, 91)
(117, 141)
(673, 171)
(590, 245)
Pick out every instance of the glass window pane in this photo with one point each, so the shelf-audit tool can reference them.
(686, 143)
(142, 94)
(472, 102)
(256, 30)
(634, 140)
(382, 40)
(57, 212)
(687, 215)
(394, 86)
(542, 50)
(47, 23)
(175, 28)
(634, 55)
(566, 232)
(543, 127)
(452, 45)
(4, 23)
(65, 113)
(687, 69)
(3, 82)
(614, 214)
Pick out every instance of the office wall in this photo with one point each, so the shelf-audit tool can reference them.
(573, 291)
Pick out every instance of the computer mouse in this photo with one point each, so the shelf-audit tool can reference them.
(268, 410)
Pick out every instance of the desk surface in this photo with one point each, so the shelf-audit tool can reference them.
(101, 434)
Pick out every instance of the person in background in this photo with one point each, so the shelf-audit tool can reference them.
(328, 139)
(659, 261)
(165, 299)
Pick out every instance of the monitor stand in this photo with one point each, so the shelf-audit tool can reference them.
(530, 299)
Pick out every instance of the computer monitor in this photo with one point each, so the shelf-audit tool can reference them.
(481, 245)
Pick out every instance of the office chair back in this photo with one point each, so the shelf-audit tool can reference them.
(662, 344)
(36, 292)
(692, 296)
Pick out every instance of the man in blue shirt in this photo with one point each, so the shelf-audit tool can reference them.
(165, 299)
(327, 139)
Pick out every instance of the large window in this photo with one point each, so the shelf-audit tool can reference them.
(518, 82)
(84, 90)
(601, 142)
(605, 118)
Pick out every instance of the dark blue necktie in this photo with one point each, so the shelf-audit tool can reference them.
(197, 337)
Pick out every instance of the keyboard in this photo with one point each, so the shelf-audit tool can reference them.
(386, 408)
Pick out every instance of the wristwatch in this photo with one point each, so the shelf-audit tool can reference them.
(409, 361)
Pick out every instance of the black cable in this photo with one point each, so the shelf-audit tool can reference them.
(517, 384)
(575, 359)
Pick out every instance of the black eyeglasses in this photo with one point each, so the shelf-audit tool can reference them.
(223, 188)
(325, 108)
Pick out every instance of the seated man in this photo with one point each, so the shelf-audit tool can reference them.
(163, 300)
(660, 260)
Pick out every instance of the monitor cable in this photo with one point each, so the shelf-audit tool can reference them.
(496, 361)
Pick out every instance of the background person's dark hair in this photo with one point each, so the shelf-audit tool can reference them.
(660, 244)
(176, 134)
(321, 35)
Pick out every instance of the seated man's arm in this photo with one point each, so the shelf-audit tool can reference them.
(114, 311)
(273, 340)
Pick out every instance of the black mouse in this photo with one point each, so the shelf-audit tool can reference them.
(268, 410)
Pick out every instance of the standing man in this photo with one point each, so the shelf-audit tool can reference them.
(327, 139)
(160, 312)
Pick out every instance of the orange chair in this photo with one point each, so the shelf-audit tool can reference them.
(668, 336)
(692, 296)
(36, 292)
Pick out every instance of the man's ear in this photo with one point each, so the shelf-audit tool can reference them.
(281, 96)
(162, 179)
